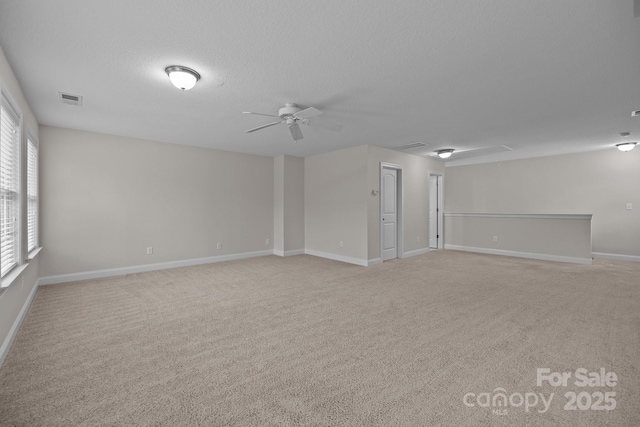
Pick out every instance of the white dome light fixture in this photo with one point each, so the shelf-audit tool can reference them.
(182, 77)
(445, 154)
(626, 146)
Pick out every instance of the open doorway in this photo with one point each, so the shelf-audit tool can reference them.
(436, 211)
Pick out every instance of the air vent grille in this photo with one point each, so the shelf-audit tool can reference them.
(67, 98)
(411, 146)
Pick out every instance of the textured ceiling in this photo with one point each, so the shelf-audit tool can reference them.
(538, 76)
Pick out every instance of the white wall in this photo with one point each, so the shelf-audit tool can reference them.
(335, 203)
(552, 237)
(105, 199)
(416, 170)
(278, 204)
(340, 205)
(13, 298)
(288, 227)
(598, 183)
(293, 203)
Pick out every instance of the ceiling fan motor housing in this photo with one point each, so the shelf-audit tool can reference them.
(288, 110)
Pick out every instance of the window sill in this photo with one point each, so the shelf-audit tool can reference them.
(12, 276)
(17, 271)
(33, 253)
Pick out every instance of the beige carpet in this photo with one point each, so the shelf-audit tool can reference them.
(304, 341)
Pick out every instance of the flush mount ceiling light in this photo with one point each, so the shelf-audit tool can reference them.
(445, 154)
(626, 146)
(182, 77)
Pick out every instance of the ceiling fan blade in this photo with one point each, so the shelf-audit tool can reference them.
(296, 133)
(307, 113)
(325, 124)
(259, 114)
(263, 126)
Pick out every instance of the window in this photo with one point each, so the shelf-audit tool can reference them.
(32, 194)
(9, 187)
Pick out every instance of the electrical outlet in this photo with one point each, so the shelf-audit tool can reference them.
(219, 246)
(341, 243)
(267, 242)
(495, 238)
(150, 250)
(629, 206)
(418, 239)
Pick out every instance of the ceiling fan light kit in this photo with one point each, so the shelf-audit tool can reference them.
(183, 78)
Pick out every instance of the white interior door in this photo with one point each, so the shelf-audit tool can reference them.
(389, 214)
(433, 210)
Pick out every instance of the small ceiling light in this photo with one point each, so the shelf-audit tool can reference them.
(182, 77)
(445, 154)
(626, 146)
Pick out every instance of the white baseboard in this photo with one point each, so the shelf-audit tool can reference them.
(543, 257)
(13, 332)
(416, 252)
(74, 277)
(335, 257)
(361, 262)
(616, 257)
(288, 253)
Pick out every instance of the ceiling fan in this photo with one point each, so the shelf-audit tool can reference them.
(292, 116)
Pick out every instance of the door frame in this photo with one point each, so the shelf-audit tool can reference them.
(399, 207)
(440, 213)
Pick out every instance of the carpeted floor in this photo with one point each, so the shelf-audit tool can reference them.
(304, 341)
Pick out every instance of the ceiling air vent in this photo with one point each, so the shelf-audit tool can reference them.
(411, 146)
(67, 98)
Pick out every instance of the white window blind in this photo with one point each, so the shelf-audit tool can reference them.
(32, 195)
(9, 186)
